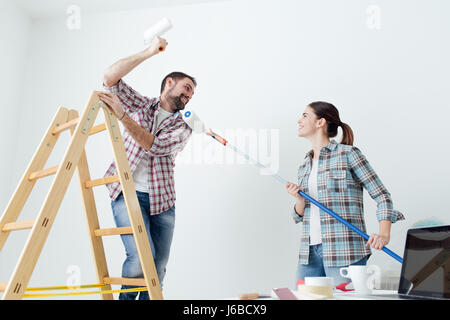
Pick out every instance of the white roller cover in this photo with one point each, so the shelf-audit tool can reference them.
(161, 27)
(193, 121)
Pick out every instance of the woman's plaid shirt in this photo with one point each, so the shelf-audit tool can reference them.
(170, 138)
(343, 173)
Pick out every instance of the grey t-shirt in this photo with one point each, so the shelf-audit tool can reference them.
(140, 175)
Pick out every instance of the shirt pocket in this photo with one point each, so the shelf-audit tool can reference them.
(144, 120)
(337, 180)
(302, 177)
(303, 180)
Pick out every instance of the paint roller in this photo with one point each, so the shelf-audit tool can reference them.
(157, 30)
(194, 122)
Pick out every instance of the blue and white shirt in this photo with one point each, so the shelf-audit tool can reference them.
(343, 173)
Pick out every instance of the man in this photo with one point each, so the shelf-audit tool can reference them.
(154, 133)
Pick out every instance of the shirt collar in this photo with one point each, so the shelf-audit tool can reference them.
(331, 147)
(157, 106)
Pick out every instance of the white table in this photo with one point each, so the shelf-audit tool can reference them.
(351, 295)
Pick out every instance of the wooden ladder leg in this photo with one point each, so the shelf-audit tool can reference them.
(90, 210)
(132, 204)
(25, 185)
(33, 247)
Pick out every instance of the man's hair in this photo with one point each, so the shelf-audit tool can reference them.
(176, 76)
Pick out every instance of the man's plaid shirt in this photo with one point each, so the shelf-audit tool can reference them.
(170, 138)
(343, 173)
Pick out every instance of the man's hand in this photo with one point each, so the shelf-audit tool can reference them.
(113, 103)
(158, 45)
(142, 136)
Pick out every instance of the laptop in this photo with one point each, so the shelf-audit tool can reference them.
(426, 265)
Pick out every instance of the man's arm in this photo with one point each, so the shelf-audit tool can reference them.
(122, 67)
(142, 136)
(169, 143)
(112, 76)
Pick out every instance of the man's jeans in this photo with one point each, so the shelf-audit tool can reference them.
(315, 267)
(159, 230)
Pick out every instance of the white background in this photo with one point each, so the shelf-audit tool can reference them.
(258, 64)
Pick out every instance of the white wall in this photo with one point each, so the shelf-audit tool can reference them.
(258, 63)
(14, 40)
(14, 35)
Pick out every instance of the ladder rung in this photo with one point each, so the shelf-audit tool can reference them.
(113, 231)
(101, 181)
(74, 122)
(97, 129)
(3, 286)
(126, 281)
(21, 225)
(43, 173)
(65, 126)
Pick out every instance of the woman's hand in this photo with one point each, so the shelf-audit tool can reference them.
(293, 190)
(378, 241)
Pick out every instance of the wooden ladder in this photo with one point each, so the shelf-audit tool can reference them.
(75, 157)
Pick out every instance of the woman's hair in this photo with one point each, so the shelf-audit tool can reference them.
(331, 115)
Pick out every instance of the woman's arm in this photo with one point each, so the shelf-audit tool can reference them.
(293, 190)
(364, 174)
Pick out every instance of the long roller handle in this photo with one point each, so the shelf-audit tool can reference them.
(304, 195)
(348, 224)
(339, 218)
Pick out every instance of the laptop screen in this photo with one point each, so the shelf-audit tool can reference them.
(426, 263)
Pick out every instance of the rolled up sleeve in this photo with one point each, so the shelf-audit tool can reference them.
(366, 176)
(297, 218)
(132, 101)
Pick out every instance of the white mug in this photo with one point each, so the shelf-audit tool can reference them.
(363, 277)
(319, 281)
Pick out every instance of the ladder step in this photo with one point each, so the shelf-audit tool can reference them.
(52, 170)
(43, 173)
(74, 122)
(97, 129)
(113, 231)
(101, 181)
(65, 126)
(21, 225)
(125, 281)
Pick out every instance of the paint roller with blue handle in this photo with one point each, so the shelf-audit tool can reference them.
(197, 126)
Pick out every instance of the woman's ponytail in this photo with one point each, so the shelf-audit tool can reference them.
(331, 114)
(347, 134)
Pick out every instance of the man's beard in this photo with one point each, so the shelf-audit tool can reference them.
(176, 103)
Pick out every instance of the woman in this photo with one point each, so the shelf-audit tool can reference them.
(335, 174)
